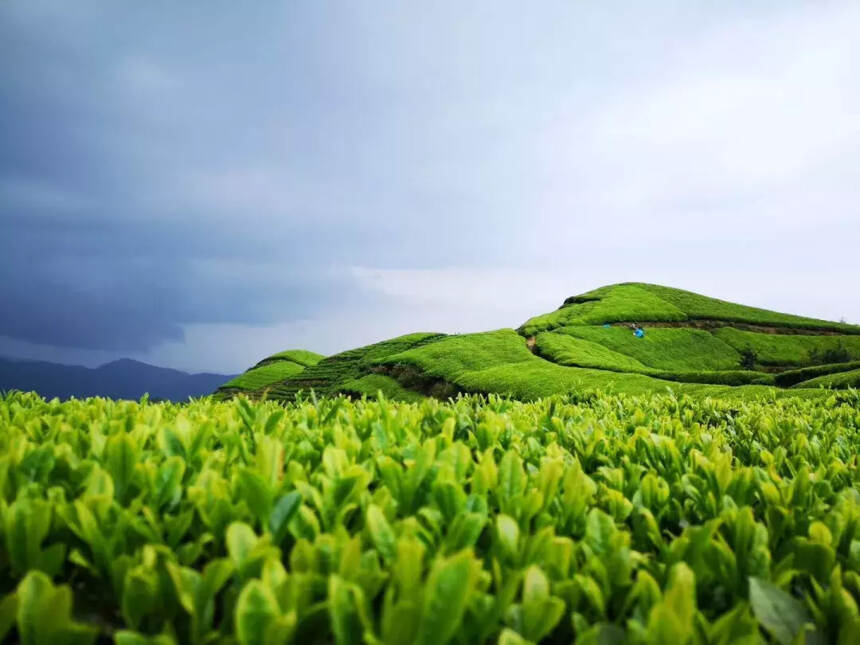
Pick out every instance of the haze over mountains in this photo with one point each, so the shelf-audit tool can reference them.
(121, 379)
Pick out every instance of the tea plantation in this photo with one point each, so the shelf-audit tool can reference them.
(272, 369)
(565, 481)
(693, 344)
(586, 518)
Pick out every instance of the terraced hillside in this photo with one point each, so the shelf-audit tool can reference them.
(272, 369)
(691, 343)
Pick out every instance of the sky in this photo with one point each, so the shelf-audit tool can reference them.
(201, 184)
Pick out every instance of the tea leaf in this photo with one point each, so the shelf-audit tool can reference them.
(781, 615)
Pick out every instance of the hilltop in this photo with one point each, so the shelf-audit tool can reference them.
(692, 343)
(272, 369)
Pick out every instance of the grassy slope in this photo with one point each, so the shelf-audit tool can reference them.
(676, 349)
(784, 349)
(272, 369)
(654, 303)
(838, 380)
(570, 351)
(697, 306)
(258, 377)
(500, 362)
(333, 373)
(576, 352)
(497, 361)
(371, 384)
(540, 379)
(615, 303)
(794, 377)
(453, 355)
(301, 356)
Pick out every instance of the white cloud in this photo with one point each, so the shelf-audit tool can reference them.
(754, 115)
(499, 288)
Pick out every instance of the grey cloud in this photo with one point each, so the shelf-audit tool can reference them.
(73, 317)
(164, 165)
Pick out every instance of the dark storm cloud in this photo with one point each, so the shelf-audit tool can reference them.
(163, 164)
(144, 177)
(105, 286)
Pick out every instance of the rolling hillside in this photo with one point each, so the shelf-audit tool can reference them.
(272, 369)
(692, 343)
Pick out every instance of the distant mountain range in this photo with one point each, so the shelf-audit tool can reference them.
(121, 379)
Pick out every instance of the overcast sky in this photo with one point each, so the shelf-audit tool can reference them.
(201, 184)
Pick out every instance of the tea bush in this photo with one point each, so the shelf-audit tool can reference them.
(591, 518)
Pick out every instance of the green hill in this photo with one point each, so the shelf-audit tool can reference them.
(272, 369)
(692, 343)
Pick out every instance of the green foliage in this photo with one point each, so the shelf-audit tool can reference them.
(453, 355)
(782, 615)
(697, 306)
(568, 350)
(273, 369)
(631, 302)
(837, 354)
(615, 303)
(676, 349)
(690, 345)
(303, 357)
(339, 373)
(749, 357)
(599, 518)
(264, 375)
(790, 349)
(793, 377)
(499, 362)
(44, 614)
(722, 377)
(840, 380)
(371, 384)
